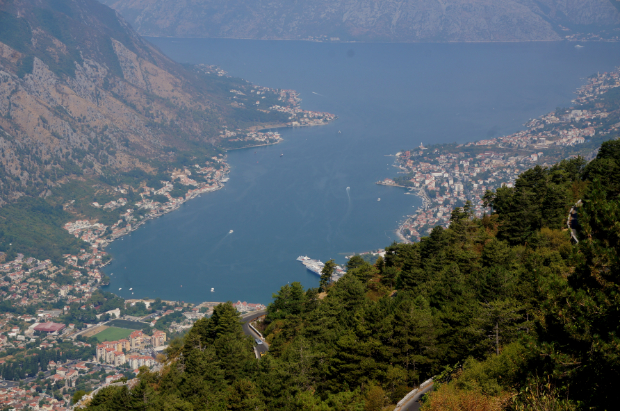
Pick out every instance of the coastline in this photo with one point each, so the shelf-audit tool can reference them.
(193, 180)
(459, 174)
(425, 41)
(290, 125)
(175, 203)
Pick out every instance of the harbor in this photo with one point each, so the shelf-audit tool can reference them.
(316, 267)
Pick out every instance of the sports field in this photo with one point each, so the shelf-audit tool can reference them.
(94, 331)
(132, 325)
(113, 334)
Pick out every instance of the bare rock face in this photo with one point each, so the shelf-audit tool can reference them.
(82, 93)
(367, 20)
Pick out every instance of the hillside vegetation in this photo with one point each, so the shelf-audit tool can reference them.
(373, 20)
(82, 94)
(86, 106)
(505, 311)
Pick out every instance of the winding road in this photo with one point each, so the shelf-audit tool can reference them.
(260, 348)
(413, 404)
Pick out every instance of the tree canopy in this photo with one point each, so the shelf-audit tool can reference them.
(503, 310)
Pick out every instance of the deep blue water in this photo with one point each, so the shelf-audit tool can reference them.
(388, 97)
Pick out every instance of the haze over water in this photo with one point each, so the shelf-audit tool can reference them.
(388, 97)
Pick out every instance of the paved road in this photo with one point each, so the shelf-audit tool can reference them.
(261, 348)
(414, 403)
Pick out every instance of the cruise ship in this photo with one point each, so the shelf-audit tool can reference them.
(315, 266)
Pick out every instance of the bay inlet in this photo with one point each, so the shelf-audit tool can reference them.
(292, 199)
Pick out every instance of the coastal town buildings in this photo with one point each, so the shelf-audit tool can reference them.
(115, 352)
(449, 175)
(245, 307)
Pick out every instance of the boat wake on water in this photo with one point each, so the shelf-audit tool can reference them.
(220, 242)
(348, 213)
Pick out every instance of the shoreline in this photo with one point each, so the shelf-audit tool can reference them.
(179, 201)
(463, 174)
(395, 42)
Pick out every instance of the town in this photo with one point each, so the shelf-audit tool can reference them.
(280, 108)
(60, 334)
(449, 175)
(153, 202)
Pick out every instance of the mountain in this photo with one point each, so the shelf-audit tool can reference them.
(373, 20)
(81, 94)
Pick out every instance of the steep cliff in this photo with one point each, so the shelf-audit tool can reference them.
(82, 94)
(371, 20)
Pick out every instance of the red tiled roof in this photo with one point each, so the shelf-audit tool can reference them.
(49, 327)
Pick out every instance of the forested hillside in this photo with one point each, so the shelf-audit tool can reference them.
(82, 95)
(86, 102)
(506, 311)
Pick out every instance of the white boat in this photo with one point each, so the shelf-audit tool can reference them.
(230, 232)
(130, 289)
(213, 289)
(379, 199)
(119, 289)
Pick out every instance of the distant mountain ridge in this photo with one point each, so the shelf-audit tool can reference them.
(371, 20)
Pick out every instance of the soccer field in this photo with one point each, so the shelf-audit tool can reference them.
(113, 334)
(132, 325)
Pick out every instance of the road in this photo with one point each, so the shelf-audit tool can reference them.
(261, 348)
(414, 403)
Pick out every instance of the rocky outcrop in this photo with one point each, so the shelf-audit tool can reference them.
(368, 20)
(82, 93)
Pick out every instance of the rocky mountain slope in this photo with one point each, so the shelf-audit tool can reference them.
(82, 94)
(372, 20)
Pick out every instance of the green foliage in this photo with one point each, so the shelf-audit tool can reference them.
(541, 198)
(113, 334)
(179, 190)
(160, 198)
(14, 31)
(164, 323)
(34, 227)
(326, 274)
(25, 66)
(532, 318)
(77, 396)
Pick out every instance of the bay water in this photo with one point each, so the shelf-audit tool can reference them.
(320, 198)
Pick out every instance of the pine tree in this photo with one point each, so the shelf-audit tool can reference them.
(326, 274)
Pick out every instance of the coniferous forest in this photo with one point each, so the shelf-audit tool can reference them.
(517, 310)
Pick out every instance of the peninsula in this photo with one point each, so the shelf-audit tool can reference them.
(446, 176)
